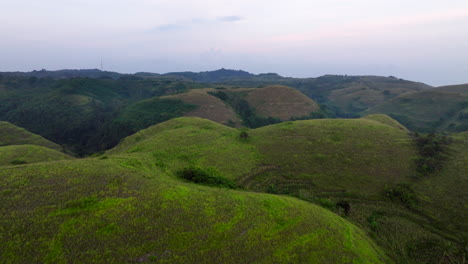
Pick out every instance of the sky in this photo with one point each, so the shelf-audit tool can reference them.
(419, 40)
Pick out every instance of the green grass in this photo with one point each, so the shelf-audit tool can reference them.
(95, 211)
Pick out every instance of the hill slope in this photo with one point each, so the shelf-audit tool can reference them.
(461, 89)
(25, 154)
(125, 210)
(13, 135)
(281, 102)
(428, 111)
(209, 107)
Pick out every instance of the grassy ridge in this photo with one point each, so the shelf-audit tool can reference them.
(117, 210)
(24, 154)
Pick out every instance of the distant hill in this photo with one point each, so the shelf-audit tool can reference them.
(211, 76)
(428, 111)
(461, 89)
(281, 102)
(242, 105)
(66, 74)
(209, 106)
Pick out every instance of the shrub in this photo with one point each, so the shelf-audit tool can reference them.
(208, 176)
(345, 205)
(373, 220)
(432, 150)
(18, 162)
(402, 193)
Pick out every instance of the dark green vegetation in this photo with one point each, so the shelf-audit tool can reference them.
(428, 111)
(79, 113)
(246, 112)
(209, 176)
(133, 208)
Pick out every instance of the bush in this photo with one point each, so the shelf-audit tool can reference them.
(402, 193)
(432, 150)
(209, 176)
(373, 220)
(18, 162)
(345, 205)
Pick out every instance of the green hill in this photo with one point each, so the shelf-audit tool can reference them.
(13, 135)
(461, 89)
(252, 107)
(428, 111)
(281, 102)
(208, 106)
(25, 154)
(367, 164)
(128, 208)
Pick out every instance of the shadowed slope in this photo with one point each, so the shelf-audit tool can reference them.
(13, 135)
(428, 111)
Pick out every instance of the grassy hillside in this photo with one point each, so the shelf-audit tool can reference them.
(428, 111)
(365, 165)
(129, 209)
(252, 107)
(208, 106)
(13, 135)
(348, 96)
(25, 154)
(281, 102)
(461, 89)
(385, 119)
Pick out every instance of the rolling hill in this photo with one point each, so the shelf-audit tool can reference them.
(428, 111)
(367, 164)
(128, 207)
